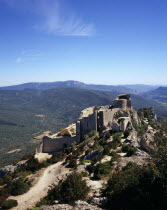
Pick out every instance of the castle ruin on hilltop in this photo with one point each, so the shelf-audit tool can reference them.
(97, 118)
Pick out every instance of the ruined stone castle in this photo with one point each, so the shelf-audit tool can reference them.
(97, 118)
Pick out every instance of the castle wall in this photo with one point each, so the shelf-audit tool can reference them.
(129, 103)
(87, 124)
(51, 145)
(120, 103)
(93, 118)
(39, 149)
(104, 118)
(107, 116)
(100, 121)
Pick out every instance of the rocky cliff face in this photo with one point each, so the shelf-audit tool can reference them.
(138, 127)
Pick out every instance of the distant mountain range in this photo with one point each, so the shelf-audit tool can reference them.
(136, 89)
(159, 94)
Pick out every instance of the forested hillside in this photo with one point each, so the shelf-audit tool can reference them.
(159, 94)
(25, 115)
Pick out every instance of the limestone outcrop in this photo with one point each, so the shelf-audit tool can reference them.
(78, 205)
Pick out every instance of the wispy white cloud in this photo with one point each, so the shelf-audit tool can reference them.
(54, 18)
(27, 55)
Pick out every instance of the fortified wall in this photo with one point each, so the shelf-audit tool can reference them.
(97, 118)
(51, 145)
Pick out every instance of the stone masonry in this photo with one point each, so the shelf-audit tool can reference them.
(97, 118)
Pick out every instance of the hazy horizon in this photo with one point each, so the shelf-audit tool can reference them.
(156, 85)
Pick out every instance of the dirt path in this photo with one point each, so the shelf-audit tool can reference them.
(39, 190)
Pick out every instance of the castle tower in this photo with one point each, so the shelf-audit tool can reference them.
(122, 101)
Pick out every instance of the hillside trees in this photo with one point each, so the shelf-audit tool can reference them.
(136, 187)
(70, 190)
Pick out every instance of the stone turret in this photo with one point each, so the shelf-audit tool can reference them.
(122, 101)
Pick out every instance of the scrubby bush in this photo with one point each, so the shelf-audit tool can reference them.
(56, 157)
(117, 137)
(32, 165)
(70, 190)
(79, 151)
(97, 146)
(67, 150)
(115, 156)
(19, 187)
(84, 174)
(72, 163)
(97, 158)
(129, 149)
(102, 170)
(141, 129)
(107, 135)
(92, 133)
(7, 178)
(136, 187)
(107, 149)
(83, 161)
(5, 193)
(160, 139)
(116, 140)
(8, 204)
(102, 142)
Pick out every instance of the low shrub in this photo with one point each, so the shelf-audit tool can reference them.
(19, 187)
(8, 204)
(92, 133)
(115, 156)
(107, 135)
(84, 174)
(102, 170)
(97, 158)
(83, 161)
(72, 163)
(70, 190)
(56, 157)
(107, 149)
(129, 149)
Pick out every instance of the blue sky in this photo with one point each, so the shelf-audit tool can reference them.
(93, 41)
